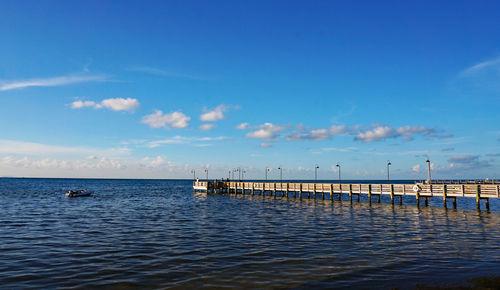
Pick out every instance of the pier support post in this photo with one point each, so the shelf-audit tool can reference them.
(287, 190)
(487, 203)
(392, 193)
(417, 196)
(370, 193)
(426, 201)
(401, 200)
(314, 191)
(454, 203)
(243, 189)
(444, 196)
(300, 191)
(350, 192)
(340, 191)
(253, 187)
(478, 197)
(331, 192)
(274, 190)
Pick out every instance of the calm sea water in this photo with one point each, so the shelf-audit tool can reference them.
(159, 234)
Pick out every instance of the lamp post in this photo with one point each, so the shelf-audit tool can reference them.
(194, 174)
(206, 170)
(281, 173)
(239, 173)
(316, 172)
(338, 165)
(267, 170)
(428, 170)
(243, 174)
(388, 176)
(234, 170)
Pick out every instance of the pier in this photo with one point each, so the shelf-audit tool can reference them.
(333, 191)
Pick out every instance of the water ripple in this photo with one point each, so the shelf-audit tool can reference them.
(158, 234)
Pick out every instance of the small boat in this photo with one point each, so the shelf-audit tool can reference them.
(77, 193)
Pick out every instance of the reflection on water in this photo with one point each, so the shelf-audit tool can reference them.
(158, 233)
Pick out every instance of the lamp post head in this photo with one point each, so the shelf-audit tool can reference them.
(337, 165)
(389, 163)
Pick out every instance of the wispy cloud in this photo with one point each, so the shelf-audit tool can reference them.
(207, 127)
(467, 162)
(381, 132)
(115, 104)
(166, 73)
(303, 133)
(186, 140)
(6, 85)
(492, 63)
(174, 120)
(39, 149)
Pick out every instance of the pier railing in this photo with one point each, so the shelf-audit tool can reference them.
(419, 190)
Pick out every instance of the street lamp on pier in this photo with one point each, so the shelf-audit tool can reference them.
(267, 170)
(194, 173)
(428, 170)
(388, 176)
(281, 173)
(316, 172)
(338, 165)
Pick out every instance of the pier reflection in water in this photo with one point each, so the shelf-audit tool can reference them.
(160, 234)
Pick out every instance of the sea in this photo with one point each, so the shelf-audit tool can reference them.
(151, 234)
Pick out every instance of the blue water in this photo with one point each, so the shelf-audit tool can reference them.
(159, 234)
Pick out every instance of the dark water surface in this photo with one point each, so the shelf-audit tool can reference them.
(158, 234)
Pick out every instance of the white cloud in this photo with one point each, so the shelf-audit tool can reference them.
(266, 131)
(82, 104)
(376, 134)
(120, 104)
(51, 82)
(242, 126)
(302, 133)
(416, 168)
(206, 127)
(115, 104)
(174, 120)
(266, 145)
(215, 114)
(95, 167)
(380, 132)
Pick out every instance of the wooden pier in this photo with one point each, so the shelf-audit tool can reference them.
(421, 191)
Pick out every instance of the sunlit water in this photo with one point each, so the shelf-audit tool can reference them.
(150, 234)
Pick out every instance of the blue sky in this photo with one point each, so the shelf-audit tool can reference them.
(154, 89)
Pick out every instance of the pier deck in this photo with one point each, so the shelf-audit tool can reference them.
(329, 190)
